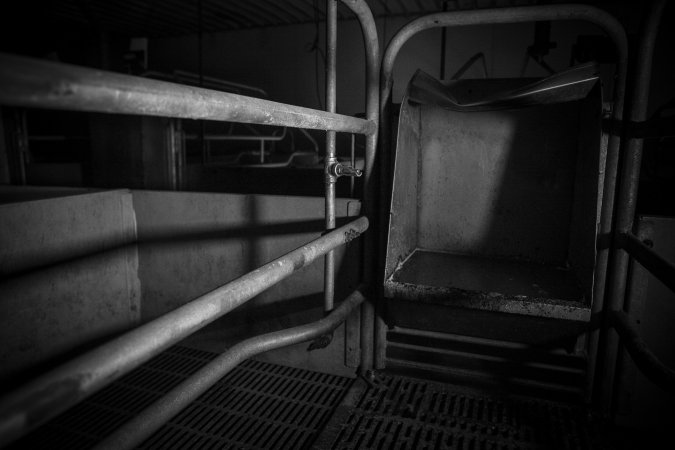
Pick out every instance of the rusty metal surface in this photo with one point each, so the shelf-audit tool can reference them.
(41, 84)
(488, 284)
(272, 402)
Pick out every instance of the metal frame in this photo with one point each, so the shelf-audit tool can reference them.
(618, 330)
(27, 82)
(605, 21)
(617, 223)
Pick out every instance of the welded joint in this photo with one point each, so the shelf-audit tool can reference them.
(330, 176)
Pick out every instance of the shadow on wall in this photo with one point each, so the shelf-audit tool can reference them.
(82, 291)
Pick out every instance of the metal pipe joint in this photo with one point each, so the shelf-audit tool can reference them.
(337, 170)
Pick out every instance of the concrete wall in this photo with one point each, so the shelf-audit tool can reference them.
(80, 266)
(69, 275)
(191, 243)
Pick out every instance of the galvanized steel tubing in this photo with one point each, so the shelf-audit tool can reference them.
(627, 190)
(37, 83)
(57, 390)
(370, 179)
(143, 425)
(330, 158)
(602, 19)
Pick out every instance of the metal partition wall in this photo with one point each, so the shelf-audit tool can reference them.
(26, 82)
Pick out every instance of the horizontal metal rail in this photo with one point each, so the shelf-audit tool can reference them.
(143, 425)
(57, 390)
(36, 83)
(661, 268)
(644, 359)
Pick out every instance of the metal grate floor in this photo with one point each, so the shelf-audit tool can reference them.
(256, 406)
(403, 413)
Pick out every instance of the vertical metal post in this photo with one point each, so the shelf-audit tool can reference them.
(21, 145)
(444, 39)
(171, 155)
(353, 163)
(370, 182)
(330, 159)
(627, 198)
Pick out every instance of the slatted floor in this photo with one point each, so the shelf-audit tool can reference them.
(266, 406)
(256, 406)
(404, 413)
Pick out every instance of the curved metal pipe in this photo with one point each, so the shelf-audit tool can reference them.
(142, 426)
(370, 179)
(644, 359)
(63, 387)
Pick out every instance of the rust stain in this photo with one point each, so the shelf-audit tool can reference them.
(350, 235)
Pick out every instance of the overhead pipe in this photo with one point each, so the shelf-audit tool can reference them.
(371, 182)
(36, 83)
(143, 425)
(63, 387)
(610, 25)
(644, 359)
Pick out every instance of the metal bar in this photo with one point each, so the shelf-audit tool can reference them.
(330, 159)
(627, 198)
(370, 180)
(57, 390)
(602, 19)
(660, 267)
(42, 84)
(143, 425)
(352, 160)
(644, 359)
(634, 306)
